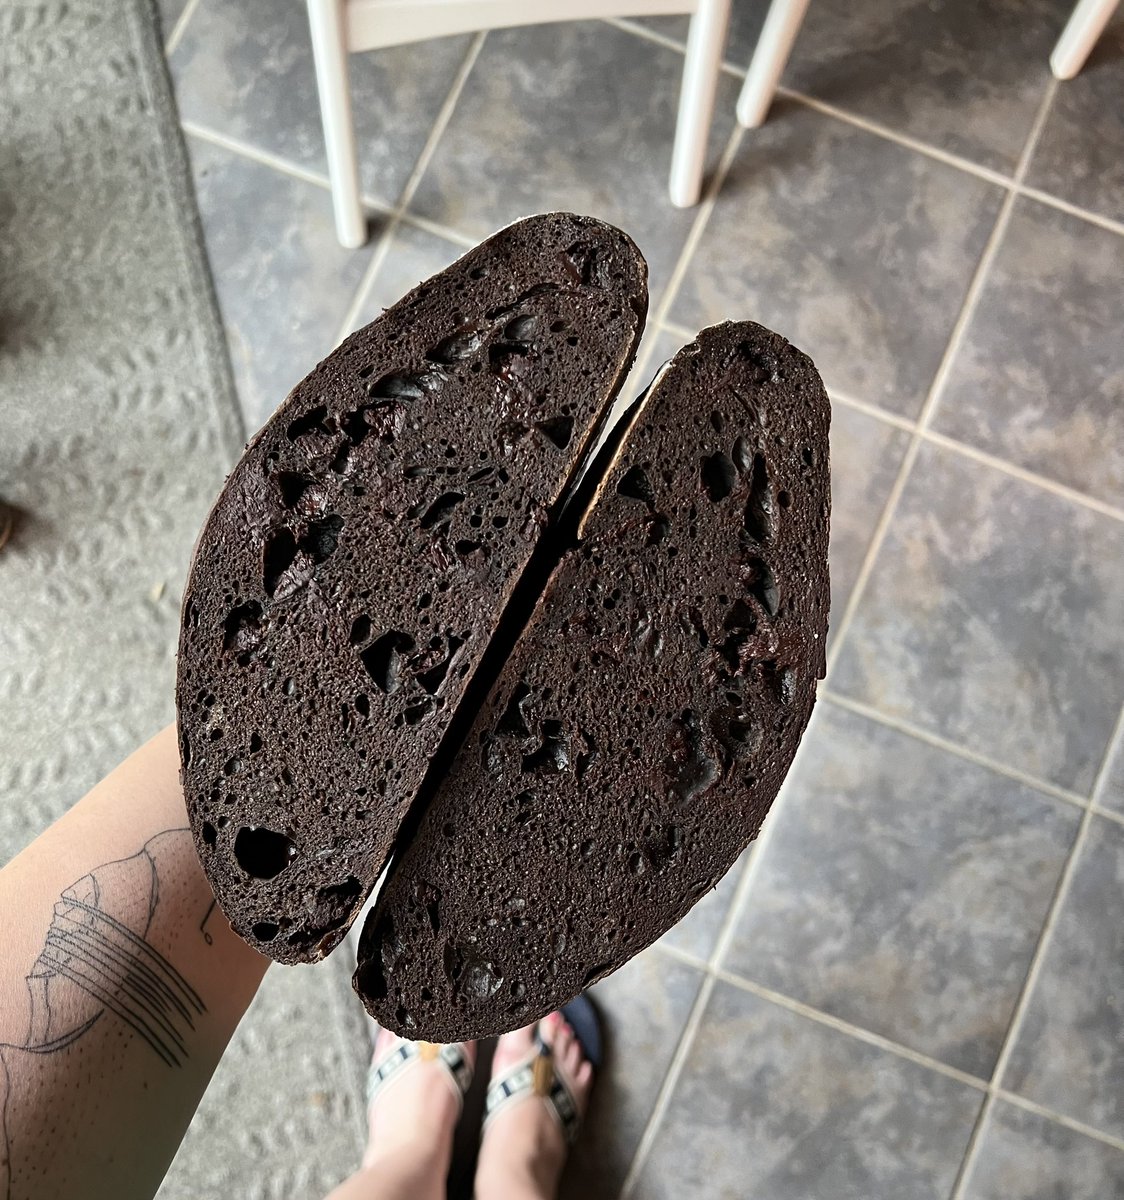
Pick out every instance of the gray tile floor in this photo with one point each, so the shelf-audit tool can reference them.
(914, 985)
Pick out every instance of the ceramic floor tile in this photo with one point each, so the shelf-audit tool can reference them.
(994, 616)
(283, 281)
(856, 249)
(772, 1106)
(903, 890)
(1080, 156)
(1039, 380)
(246, 70)
(644, 1007)
(412, 255)
(574, 116)
(1027, 1157)
(1069, 1055)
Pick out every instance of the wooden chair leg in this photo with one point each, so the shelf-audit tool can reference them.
(1080, 36)
(705, 45)
(782, 24)
(329, 50)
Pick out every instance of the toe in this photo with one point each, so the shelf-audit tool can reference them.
(513, 1046)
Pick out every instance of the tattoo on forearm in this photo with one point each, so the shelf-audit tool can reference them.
(99, 970)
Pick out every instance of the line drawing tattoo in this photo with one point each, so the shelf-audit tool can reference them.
(99, 969)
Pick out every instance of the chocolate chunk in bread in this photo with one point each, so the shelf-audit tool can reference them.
(645, 718)
(361, 553)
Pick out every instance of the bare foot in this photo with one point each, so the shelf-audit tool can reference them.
(416, 1113)
(523, 1151)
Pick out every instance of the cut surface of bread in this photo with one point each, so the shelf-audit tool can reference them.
(361, 553)
(642, 724)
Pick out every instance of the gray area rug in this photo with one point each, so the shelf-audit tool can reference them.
(118, 421)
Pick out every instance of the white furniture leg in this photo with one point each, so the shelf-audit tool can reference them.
(1080, 36)
(782, 24)
(329, 50)
(705, 45)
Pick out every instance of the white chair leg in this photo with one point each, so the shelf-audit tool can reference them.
(705, 45)
(329, 50)
(1080, 36)
(782, 24)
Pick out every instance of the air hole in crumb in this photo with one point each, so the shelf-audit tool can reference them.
(784, 499)
(717, 421)
(418, 712)
(293, 486)
(314, 421)
(265, 931)
(362, 704)
(760, 516)
(320, 542)
(557, 430)
(263, 853)
(255, 743)
(242, 628)
(382, 659)
(594, 973)
(718, 476)
(441, 509)
(513, 721)
(280, 551)
(636, 485)
(809, 456)
(209, 833)
(360, 630)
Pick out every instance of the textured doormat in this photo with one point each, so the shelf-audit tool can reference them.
(118, 422)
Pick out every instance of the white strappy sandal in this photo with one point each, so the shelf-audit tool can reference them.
(391, 1066)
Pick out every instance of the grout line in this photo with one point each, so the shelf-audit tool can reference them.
(854, 1031)
(933, 739)
(264, 158)
(440, 123)
(694, 235)
(896, 1048)
(179, 27)
(650, 35)
(670, 1079)
(1085, 214)
(903, 139)
(932, 398)
(1008, 468)
(1034, 971)
(1090, 1131)
(1053, 915)
(442, 231)
(410, 187)
(1107, 814)
(691, 1027)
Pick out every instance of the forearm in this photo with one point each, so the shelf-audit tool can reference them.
(120, 985)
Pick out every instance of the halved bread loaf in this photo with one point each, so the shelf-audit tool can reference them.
(362, 552)
(643, 722)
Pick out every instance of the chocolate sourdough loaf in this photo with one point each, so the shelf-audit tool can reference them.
(641, 725)
(362, 552)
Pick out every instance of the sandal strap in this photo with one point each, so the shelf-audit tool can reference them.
(391, 1066)
(535, 1075)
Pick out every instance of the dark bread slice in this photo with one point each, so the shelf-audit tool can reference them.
(361, 553)
(642, 725)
